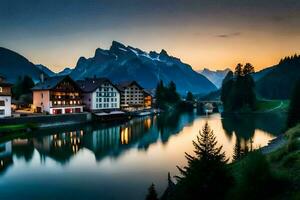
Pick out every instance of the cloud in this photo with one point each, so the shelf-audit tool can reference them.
(229, 35)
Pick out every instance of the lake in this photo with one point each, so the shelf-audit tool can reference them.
(118, 161)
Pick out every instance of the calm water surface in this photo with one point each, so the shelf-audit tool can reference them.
(118, 161)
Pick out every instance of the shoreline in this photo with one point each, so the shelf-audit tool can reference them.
(274, 144)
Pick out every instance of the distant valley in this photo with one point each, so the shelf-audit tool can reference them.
(216, 77)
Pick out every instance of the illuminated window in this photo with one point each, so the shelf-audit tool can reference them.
(1, 90)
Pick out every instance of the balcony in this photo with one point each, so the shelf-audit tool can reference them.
(63, 103)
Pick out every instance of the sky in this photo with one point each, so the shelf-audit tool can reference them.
(203, 33)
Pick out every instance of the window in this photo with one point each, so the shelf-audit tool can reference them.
(42, 95)
(2, 103)
(1, 90)
(2, 111)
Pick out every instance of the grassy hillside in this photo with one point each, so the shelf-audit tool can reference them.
(278, 83)
(272, 105)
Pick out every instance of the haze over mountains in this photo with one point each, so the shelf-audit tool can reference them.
(216, 77)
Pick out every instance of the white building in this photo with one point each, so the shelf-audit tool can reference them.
(100, 94)
(5, 98)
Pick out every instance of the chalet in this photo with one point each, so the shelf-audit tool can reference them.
(132, 96)
(5, 98)
(100, 94)
(57, 95)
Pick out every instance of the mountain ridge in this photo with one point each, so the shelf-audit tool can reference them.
(13, 65)
(216, 77)
(123, 63)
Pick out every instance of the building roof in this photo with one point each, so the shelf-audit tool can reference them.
(148, 92)
(51, 82)
(91, 84)
(3, 83)
(125, 84)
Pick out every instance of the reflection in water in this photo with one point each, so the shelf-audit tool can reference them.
(143, 148)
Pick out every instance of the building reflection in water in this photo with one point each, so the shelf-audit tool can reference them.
(113, 140)
(102, 141)
(60, 146)
(5, 156)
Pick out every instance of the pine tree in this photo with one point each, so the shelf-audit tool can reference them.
(190, 96)
(238, 70)
(248, 69)
(152, 195)
(239, 152)
(172, 95)
(207, 173)
(22, 86)
(294, 109)
(160, 94)
(205, 147)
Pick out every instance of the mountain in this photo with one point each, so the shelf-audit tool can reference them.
(13, 65)
(46, 70)
(258, 75)
(123, 63)
(216, 77)
(64, 72)
(278, 83)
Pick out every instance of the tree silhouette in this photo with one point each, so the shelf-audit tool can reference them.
(190, 96)
(22, 86)
(159, 93)
(152, 195)
(238, 70)
(248, 69)
(237, 92)
(294, 109)
(206, 173)
(166, 95)
(239, 151)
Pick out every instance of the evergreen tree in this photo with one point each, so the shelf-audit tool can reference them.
(238, 70)
(226, 89)
(248, 69)
(160, 94)
(294, 109)
(22, 87)
(172, 94)
(207, 174)
(239, 152)
(190, 96)
(237, 94)
(152, 195)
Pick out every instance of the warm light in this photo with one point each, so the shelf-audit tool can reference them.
(124, 136)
